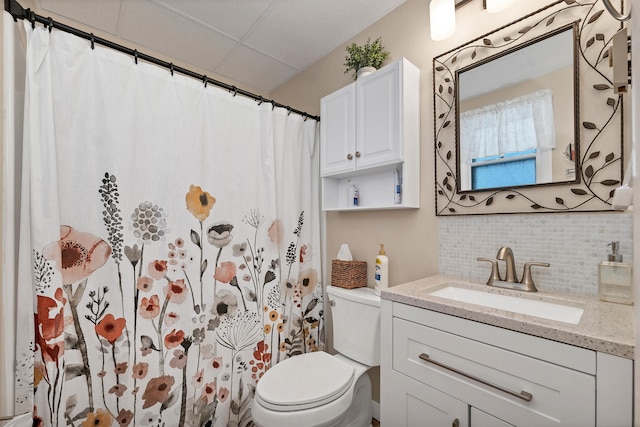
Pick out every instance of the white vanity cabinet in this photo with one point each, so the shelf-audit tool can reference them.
(370, 137)
(458, 372)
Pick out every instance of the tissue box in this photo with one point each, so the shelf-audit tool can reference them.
(348, 274)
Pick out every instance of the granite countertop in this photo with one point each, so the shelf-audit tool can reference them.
(604, 327)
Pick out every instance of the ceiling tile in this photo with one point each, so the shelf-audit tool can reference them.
(261, 43)
(231, 17)
(299, 32)
(99, 14)
(255, 69)
(172, 35)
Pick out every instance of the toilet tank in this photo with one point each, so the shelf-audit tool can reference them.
(355, 317)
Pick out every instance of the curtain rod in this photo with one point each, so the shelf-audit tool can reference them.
(18, 12)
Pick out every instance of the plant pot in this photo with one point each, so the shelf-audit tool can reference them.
(364, 71)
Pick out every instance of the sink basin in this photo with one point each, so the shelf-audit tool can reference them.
(545, 310)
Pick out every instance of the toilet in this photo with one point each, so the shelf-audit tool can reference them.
(320, 389)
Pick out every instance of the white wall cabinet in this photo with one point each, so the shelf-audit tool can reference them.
(465, 373)
(369, 136)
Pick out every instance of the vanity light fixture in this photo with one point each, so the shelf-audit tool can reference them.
(442, 15)
(442, 19)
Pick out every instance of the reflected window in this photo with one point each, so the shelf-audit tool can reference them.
(517, 168)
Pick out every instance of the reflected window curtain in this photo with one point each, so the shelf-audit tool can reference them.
(171, 241)
(519, 124)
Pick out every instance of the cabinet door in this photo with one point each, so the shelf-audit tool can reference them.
(482, 419)
(417, 405)
(338, 131)
(378, 123)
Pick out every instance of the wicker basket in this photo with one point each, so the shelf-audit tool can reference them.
(348, 274)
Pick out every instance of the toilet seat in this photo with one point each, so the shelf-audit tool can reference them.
(304, 382)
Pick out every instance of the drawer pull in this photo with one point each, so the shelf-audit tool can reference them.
(522, 395)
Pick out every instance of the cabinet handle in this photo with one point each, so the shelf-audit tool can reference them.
(455, 423)
(357, 154)
(349, 156)
(522, 395)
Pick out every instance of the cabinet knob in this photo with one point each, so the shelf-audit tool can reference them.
(357, 154)
(349, 156)
(455, 423)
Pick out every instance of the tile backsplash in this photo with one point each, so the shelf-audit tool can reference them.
(573, 244)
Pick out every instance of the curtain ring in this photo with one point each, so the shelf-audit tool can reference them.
(50, 19)
(171, 68)
(260, 101)
(32, 18)
(235, 90)
(205, 80)
(305, 118)
(288, 110)
(135, 55)
(273, 105)
(93, 41)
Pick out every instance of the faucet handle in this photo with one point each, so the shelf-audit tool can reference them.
(527, 279)
(495, 271)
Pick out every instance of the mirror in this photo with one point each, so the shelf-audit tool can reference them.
(573, 165)
(516, 112)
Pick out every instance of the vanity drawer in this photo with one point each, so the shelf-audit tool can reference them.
(524, 390)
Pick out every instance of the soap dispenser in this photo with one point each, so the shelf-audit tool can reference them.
(615, 278)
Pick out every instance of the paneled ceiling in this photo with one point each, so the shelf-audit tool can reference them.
(260, 43)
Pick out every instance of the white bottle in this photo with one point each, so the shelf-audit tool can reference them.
(382, 271)
(397, 187)
(615, 278)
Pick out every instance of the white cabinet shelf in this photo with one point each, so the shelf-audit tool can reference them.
(482, 375)
(370, 131)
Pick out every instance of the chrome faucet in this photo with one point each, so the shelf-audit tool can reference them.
(511, 281)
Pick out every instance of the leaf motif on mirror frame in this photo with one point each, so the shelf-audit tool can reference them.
(595, 17)
(588, 172)
(610, 182)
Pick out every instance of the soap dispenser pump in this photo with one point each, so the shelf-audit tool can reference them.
(615, 278)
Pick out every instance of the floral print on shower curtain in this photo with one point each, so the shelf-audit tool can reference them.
(169, 274)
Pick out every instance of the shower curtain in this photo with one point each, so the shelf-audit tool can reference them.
(169, 242)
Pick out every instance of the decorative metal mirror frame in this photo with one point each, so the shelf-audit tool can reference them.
(600, 160)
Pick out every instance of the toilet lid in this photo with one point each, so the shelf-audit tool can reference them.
(304, 381)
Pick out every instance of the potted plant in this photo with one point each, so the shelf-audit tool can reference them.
(366, 58)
